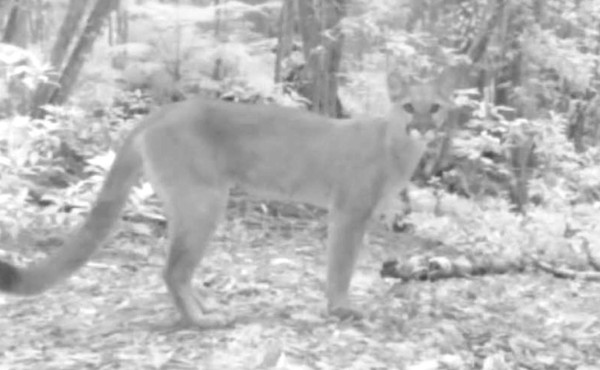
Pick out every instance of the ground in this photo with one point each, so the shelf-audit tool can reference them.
(115, 313)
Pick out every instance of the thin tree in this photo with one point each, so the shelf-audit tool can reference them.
(17, 25)
(59, 92)
(285, 36)
(67, 32)
(320, 26)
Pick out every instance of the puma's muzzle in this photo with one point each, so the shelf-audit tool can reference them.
(424, 126)
(415, 134)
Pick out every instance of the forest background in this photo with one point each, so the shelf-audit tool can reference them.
(513, 187)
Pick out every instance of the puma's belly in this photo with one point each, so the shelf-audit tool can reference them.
(294, 182)
(318, 180)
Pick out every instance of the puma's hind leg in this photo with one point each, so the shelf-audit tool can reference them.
(346, 233)
(190, 229)
(194, 205)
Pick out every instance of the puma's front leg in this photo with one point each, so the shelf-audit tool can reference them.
(346, 232)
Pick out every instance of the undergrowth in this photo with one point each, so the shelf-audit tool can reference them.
(52, 169)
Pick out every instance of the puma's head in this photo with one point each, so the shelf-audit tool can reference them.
(421, 106)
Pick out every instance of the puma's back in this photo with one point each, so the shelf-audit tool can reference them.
(275, 151)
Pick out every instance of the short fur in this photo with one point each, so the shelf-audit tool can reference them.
(194, 151)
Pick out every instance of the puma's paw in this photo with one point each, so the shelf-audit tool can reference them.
(210, 321)
(346, 313)
(206, 322)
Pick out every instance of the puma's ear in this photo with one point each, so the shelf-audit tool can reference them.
(398, 85)
(395, 85)
(453, 77)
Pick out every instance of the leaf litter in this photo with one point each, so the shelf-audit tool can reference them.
(116, 314)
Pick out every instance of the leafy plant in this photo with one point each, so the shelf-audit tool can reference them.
(22, 72)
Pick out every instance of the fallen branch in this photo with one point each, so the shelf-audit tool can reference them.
(565, 273)
(590, 257)
(435, 268)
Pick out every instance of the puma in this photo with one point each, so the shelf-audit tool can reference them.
(194, 151)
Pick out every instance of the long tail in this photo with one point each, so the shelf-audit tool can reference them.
(79, 248)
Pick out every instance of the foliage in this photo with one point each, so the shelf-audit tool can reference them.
(22, 72)
(53, 166)
(556, 46)
(31, 152)
(539, 68)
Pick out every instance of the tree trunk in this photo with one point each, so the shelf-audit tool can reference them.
(122, 22)
(17, 25)
(522, 159)
(218, 15)
(37, 22)
(84, 45)
(66, 33)
(285, 38)
(58, 93)
(5, 8)
(577, 125)
(323, 40)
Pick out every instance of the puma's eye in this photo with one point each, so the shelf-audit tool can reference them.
(434, 108)
(409, 108)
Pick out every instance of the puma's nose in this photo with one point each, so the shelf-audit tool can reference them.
(427, 135)
(421, 125)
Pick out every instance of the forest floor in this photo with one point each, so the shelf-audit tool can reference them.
(115, 313)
